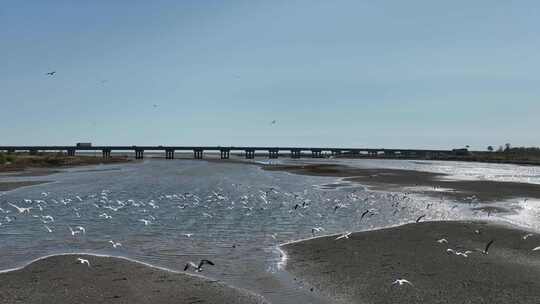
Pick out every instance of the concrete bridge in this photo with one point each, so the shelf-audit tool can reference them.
(248, 152)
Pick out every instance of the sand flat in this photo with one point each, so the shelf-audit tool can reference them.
(361, 269)
(60, 279)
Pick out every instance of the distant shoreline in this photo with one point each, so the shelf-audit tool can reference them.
(422, 182)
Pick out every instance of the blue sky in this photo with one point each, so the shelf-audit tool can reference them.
(429, 74)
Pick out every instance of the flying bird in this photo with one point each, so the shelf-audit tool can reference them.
(83, 261)
(20, 209)
(198, 268)
(485, 251)
(420, 217)
(343, 236)
(115, 244)
(364, 214)
(441, 241)
(536, 248)
(401, 282)
(273, 122)
(51, 73)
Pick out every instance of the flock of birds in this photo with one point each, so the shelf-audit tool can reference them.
(100, 207)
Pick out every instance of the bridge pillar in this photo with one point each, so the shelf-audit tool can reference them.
(225, 153)
(198, 154)
(169, 154)
(106, 153)
(250, 154)
(70, 152)
(273, 153)
(316, 153)
(139, 154)
(295, 153)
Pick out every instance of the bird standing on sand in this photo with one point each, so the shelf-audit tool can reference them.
(198, 268)
(83, 261)
(401, 282)
(526, 236)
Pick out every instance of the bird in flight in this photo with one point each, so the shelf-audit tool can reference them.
(115, 244)
(441, 241)
(401, 282)
(536, 248)
(420, 217)
(20, 209)
(51, 73)
(198, 268)
(343, 236)
(485, 251)
(273, 122)
(83, 261)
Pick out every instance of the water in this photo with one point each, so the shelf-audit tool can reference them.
(237, 215)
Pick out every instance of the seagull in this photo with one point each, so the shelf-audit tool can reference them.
(536, 248)
(441, 241)
(401, 282)
(316, 229)
(115, 244)
(47, 218)
(146, 222)
(526, 236)
(83, 261)
(485, 251)
(48, 229)
(198, 268)
(81, 228)
(364, 214)
(273, 122)
(188, 234)
(51, 73)
(20, 209)
(420, 217)
(344, 236)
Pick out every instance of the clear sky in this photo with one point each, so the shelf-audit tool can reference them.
(424, 74)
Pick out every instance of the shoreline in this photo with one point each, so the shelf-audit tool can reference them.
(421, 182)
(61, 279)
(376, 258)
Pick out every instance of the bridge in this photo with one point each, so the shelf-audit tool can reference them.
(248, 152)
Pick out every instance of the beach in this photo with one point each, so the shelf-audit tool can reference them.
(62, 279)
(362, 268)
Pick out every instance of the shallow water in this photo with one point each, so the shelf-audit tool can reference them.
(237, 215)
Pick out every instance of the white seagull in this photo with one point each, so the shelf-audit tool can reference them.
(115, 245)
(344, 236)
(536, 248)
(83, 261)
(401, 282)
(20, 209)
(146, 222)
(441, 241)
(526, 236)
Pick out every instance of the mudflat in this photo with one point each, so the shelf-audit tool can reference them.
(62, 279)
(363, 268)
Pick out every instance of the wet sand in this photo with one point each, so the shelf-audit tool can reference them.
(361, 269)
(60, 279)
(417, 181)
(7, 186)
